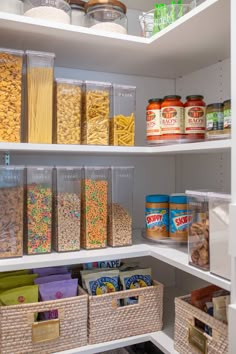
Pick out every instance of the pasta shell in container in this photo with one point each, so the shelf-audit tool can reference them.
(122, 124)
(40, 75)
(97, 109)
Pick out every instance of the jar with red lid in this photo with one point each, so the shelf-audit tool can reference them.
(153, 120)
(195, 118)
(172, 119)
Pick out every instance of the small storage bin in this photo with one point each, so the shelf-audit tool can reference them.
(189, 339)
(68, 96)
(67, 209)
(40, 74)
(198, 230)
(121, 208)
(20, 334)
(11, 91)
(122, 125)
(11, 209)
(108, 321)
(94, 207)
(220, 261)
(97, 109)
(38, 233)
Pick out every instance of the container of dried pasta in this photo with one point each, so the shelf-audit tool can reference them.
(38, 233)
(68, 96)
(121, 207)
(11, 89)
(40, 74)
(122, 125)
(94, 207)
(11, 210)
(96, 113)
(67, 208)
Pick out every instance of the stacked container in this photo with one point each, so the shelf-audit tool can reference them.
(122, 125)
(11, 90)
(68, 105)
(67, 206)
(96, 113)
(94, 207)
(11, 209)
(121, 208)
(40, 74)
(38, 210)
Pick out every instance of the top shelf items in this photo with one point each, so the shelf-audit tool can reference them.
(183, 47)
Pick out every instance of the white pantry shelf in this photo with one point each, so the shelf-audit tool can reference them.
(172, 255)
(206, 146)
(183, 47)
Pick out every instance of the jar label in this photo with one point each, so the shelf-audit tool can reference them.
(195, 120)
(215, 121)
(153, 119)
(172, 120)
(179, 222)
(227, 119)
(157, 219)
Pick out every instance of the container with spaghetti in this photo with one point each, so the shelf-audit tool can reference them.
(97, 109)
(122, 125)
(94, 207)
(40, 73)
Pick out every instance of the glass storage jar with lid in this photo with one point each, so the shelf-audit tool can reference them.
(106, 15)
(77, 12)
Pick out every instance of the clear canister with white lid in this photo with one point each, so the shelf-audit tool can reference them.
(49, 10)
(107, 15)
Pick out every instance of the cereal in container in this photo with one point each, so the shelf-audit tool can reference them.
(97, 109)
(38, 231)
(68, 97)
(94, 207)
(67, 209)
(11, 91)
(11, 210)
(121, 207)
(122, 125)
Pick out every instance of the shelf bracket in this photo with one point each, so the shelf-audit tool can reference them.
(6, 159)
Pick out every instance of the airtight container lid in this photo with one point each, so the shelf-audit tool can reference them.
(178, 199)
(69, 82)
(115, 3)
(157, 198)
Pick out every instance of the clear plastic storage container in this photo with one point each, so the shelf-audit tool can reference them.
(97, 109)
(67, 207)
(50, 10)
(77, 12)
(106, 15)
(11, 209)
(219, 234)
(68, 97)
(121, 208)
(11, 90)
(12, 6)
(122, 125)
(94, 207)
(40, 74)
(38, 235)
(198, 235)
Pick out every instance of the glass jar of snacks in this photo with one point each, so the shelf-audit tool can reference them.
(77, 12)
(172, 119)
(106, 15)
(227, 117)
(195, 117)
(153, 120)
(122, 125)
(215, 120)
(157, 217)
(53, 10)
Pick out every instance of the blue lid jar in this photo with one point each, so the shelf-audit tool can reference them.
(178, 199)
(157, 198)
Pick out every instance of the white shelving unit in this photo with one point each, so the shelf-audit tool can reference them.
(190, 56)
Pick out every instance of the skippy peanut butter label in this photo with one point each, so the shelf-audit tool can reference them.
(157, 219)
(179, 221)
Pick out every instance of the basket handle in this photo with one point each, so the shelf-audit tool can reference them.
(115, 302)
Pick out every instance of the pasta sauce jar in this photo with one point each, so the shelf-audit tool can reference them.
(153, 120)
(172, 118)
(179, 217)
(195, 117)
(157, 216)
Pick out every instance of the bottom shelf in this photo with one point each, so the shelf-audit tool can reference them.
(162, 339)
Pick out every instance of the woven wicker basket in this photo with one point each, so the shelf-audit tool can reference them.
(19, 334)
(185, 315)
(108, 321)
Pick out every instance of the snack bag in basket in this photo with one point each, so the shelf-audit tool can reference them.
(18, 296)
(17, 281)
(100, 283)
(51, 278)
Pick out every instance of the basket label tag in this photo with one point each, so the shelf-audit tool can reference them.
(197, 339)
(45, 331)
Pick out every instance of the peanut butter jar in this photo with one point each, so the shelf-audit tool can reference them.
(179, 217)
(157, 216)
